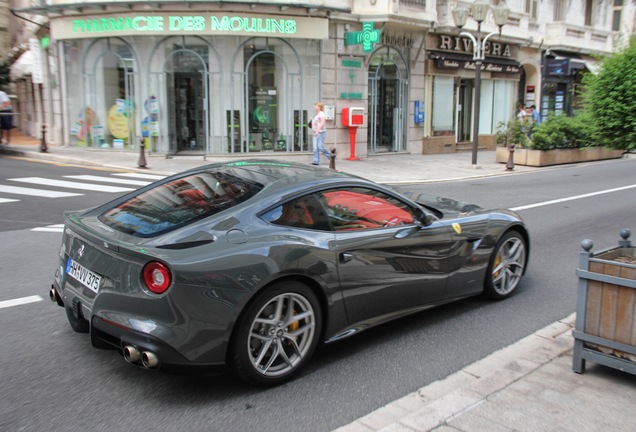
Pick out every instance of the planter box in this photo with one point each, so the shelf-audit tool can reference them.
(539, 158)
(606, 308)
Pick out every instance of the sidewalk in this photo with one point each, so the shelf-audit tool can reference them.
(393, 167)
(527, 386)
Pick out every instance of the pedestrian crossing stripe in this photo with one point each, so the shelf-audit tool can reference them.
(36, 192)
(58, 228)
(141, 176)
(71, 185)
(108, 180)
(135, 180)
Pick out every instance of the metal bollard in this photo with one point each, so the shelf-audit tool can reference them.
(142, 155)
(332, 159)
(43, 147)
(510, 165)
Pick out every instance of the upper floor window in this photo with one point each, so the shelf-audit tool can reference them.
(589, 14)
(617, 11)
(559, 10)
(532, 7)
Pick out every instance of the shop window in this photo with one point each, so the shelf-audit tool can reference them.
(263, 99)
(443, 105)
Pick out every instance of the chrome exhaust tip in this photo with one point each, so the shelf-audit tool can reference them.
(149, 360)
(131, 354)
(53, 295)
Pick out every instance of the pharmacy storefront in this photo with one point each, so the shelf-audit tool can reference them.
(190, 83)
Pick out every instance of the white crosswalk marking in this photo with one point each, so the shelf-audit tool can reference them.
(36, 192)
(108, 180)
(51, 228)
(71, 185)
(141, 176)
(7, 200)
(20, 301)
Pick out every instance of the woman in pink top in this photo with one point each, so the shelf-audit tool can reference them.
(318, 125)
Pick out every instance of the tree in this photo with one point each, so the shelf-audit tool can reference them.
(610, 97)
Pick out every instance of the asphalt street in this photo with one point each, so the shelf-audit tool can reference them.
(54, 380)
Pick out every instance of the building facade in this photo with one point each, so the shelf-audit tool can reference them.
(234, 78)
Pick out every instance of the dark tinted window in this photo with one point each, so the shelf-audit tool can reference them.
(304, 212)
(180, 202)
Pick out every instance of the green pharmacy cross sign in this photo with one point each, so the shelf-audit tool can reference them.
(367, 37)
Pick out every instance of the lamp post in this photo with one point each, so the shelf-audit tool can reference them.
(479, 11)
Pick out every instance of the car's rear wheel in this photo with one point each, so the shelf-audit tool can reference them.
(277, 334)
(506, 267)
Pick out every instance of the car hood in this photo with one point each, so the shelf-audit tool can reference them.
(447, 207)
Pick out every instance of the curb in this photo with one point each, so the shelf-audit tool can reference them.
(442, 401)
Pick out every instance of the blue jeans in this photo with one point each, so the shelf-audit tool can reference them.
(319, 146)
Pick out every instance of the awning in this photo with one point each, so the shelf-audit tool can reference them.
(446, 60)
(564, 64)
(22, 67)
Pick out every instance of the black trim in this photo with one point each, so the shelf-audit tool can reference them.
(447, 60)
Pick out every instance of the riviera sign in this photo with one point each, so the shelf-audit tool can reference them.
(161, 23)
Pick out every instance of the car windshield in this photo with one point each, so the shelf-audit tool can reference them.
(180, 202)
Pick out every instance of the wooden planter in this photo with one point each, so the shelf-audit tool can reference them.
(606, 308)
(539, 158)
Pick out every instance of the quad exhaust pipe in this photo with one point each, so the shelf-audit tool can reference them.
(131, 354)
(148, 359)
(55, 298)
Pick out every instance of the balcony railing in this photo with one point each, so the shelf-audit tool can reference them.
(414, 3)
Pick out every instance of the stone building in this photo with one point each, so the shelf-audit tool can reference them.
(237, 77)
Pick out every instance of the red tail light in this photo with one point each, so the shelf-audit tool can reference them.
(157, 277)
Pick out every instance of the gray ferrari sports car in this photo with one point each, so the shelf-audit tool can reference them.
(251, 264)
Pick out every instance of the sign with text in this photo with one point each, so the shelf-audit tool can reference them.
(37, 75)
(152, 24)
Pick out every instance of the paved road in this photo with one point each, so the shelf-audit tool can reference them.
(53, 380)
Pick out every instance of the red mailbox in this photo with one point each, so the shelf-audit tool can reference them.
(352, 117)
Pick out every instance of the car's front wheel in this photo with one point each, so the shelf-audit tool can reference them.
(506, 266)
(277, 334)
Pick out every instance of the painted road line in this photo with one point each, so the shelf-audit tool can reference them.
(20, 301)
(108, 180)
(7, 200)
(141, 176)
(36, 192)
(51, 228)
(556, 201)
(71, 185)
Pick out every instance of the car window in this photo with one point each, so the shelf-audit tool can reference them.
(304, 212)
(179, 202)
(361, 208)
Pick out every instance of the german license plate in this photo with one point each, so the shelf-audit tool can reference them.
(83, 275)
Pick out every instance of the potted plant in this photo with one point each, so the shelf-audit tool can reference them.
(606, 308)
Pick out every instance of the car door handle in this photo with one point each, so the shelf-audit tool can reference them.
(345, 257)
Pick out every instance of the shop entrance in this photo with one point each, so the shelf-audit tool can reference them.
(187, 112)
(465, 110)
(387, 97)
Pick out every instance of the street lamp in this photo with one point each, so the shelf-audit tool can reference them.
(479, 11)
